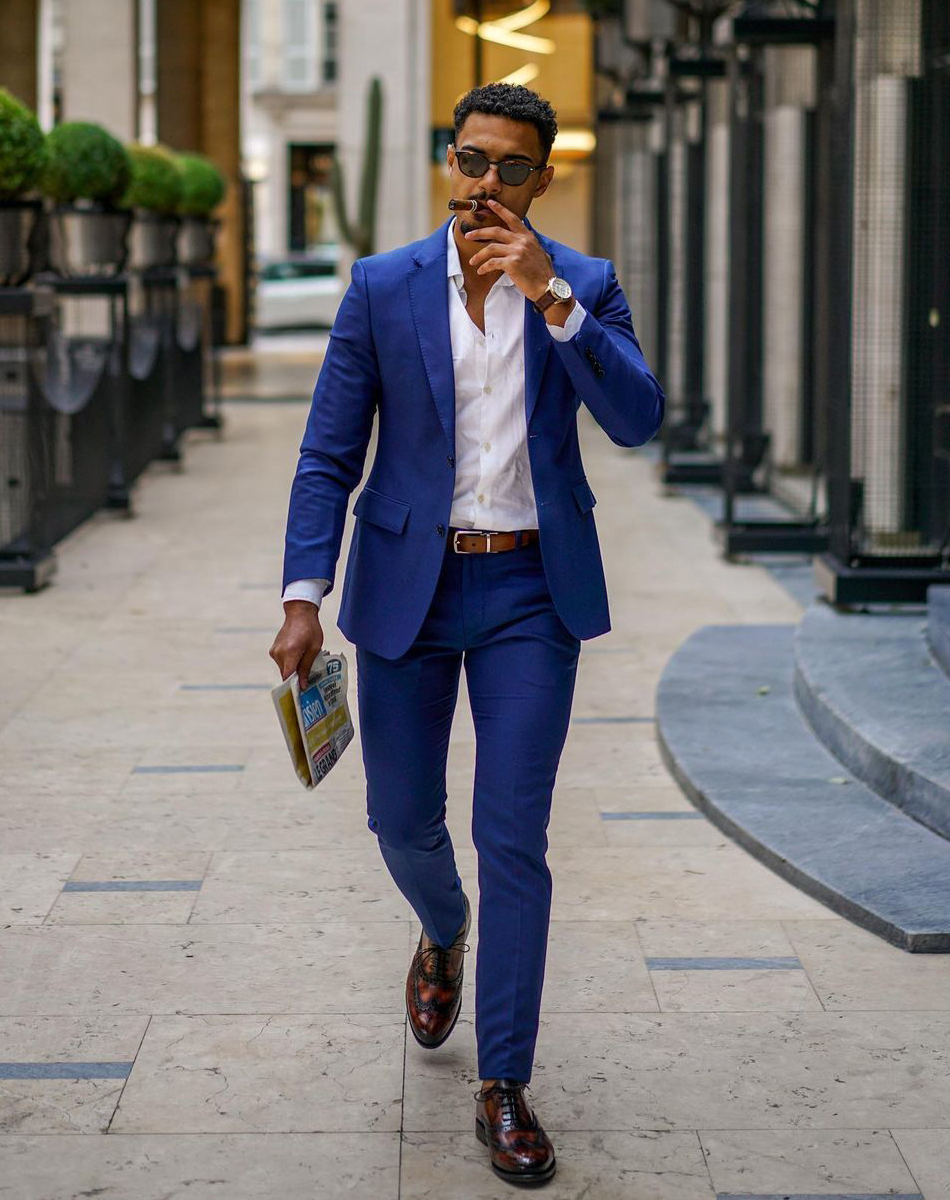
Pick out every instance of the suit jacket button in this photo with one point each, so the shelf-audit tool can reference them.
(451, 460)
(440, 530)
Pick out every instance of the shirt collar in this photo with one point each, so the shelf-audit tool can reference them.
(454, 263)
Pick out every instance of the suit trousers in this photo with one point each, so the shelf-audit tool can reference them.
(494, 613)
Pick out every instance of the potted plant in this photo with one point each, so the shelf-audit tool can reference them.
(203, 189)
(86, 173)
(153, 193)
(22, 156)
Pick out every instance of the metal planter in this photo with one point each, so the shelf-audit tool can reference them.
(17, 221)
(88, 242)
(153, 242)
(196, 241)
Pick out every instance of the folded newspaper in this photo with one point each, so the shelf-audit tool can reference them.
(316, 721)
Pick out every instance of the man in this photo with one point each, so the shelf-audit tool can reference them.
(476, 346)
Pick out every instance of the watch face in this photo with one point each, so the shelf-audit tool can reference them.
(561, 288)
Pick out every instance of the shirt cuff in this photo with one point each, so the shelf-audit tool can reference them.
(306, 589)
(564, 333)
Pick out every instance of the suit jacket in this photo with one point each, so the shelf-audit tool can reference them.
(390, 352)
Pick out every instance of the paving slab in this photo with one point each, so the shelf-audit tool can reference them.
(645, 1165)
(129, 1166)
(807, 1162)
(65, 1074)
(279, 1073)
(338, 967)
(753, 1070)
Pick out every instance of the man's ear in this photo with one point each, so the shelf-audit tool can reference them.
(544, 179)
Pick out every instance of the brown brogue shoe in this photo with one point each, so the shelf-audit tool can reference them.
(434, 986)
(520, 1150)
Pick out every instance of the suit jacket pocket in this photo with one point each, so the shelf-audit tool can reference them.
(379, 509)
(583, 495)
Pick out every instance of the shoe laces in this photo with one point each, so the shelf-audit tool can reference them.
(434, 962)
(508, 1097)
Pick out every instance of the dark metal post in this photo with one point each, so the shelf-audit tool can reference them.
(745, 267)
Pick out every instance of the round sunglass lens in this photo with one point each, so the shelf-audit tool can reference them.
(514, 174)
(472, 164)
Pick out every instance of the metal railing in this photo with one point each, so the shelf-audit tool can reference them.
(98, 378)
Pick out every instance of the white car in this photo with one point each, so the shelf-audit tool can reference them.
(299, 291)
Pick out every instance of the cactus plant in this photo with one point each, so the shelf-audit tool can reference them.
(156, 183)
(84, 162)
(203, 185)
(361, 235)
(22, 150)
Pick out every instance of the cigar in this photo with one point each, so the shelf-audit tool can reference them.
(469, 205)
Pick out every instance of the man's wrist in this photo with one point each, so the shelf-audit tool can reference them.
(301, 606)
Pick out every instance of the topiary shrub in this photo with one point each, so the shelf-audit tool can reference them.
(84, 162)
(203, 185)
(156, 182)
(22, 148)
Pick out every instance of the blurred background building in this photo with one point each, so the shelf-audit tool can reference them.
(769, 177)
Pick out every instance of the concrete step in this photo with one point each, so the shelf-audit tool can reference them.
(877, 699)
(732, 735)
(938, 625)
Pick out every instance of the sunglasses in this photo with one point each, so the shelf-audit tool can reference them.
(474, 164)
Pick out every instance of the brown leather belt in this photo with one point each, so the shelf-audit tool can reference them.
(472, 541)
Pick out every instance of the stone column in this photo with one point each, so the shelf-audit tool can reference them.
(675, 382)
(18, 48)
(198, 108)
(790, 86)
(637, 248)
(100, 64)
(887, 54)
(716, 265)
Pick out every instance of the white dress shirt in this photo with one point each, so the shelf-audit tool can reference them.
(493, 488)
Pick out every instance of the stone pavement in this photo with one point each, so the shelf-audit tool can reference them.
(206, 963)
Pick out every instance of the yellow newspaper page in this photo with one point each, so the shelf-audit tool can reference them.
(316, 722)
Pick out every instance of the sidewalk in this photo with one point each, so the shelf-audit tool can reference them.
(207, 963)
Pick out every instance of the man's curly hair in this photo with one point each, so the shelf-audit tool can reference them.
(513, 101)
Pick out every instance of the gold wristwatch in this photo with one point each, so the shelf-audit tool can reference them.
(557, 292)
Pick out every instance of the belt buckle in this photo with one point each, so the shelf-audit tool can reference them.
(478, 533)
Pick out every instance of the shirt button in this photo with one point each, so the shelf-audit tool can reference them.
(487, 387)
(481, 498)
(440, 530)
(486, 445)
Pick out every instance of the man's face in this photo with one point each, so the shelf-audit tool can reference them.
(498, 138)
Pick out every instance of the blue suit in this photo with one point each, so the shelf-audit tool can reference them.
(390, 351)
(417, 611)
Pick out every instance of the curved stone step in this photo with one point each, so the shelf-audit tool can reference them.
(732, 734)
(876, 698)
(938, 625)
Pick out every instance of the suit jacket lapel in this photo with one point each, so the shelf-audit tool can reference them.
(537, 340)
(429, 301)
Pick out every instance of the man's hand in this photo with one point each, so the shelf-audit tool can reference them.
(513, 248)
(299, 641)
